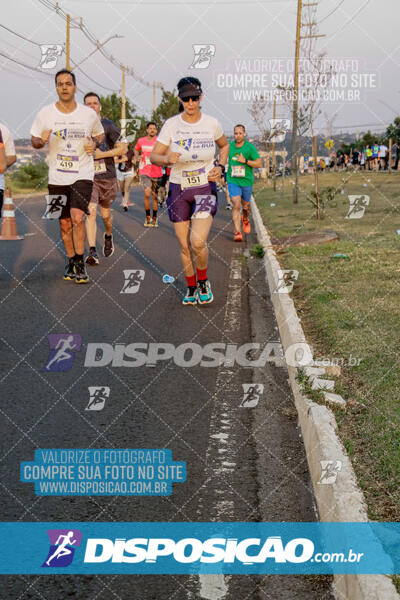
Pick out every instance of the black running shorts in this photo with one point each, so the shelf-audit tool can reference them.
(78, 196)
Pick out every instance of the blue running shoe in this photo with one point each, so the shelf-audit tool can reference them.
(191, 296)
(204, 292)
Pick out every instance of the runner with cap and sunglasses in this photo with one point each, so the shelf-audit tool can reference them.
(187, 143)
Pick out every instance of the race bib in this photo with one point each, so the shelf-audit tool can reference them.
(67, 164)
(100, 166)
(147, 161)
(195, 178)
(204, 207)
(238, 171)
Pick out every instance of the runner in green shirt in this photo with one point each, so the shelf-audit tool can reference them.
(243, 158)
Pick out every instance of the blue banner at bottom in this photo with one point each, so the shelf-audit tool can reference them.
(199, 548)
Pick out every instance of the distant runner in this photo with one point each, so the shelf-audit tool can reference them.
(105, 186)
(243, 158)
(8, 149)
(187, 142)
(149, 175)
(125, 176)
(3, 164)
(72, 132)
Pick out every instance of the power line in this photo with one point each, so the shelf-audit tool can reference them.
(333, 11)
(93, 80)
(25, 65)
(128, 70)
(19, 35)
(177, 2)
(39, 70)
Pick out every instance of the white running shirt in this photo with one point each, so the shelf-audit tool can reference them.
(67, 158)
(9, 149)
(195, 142)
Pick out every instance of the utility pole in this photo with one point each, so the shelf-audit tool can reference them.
(296, 100)
(67, 44)
(273, 148)
(154, 96)
(123, 105)
(299, 37)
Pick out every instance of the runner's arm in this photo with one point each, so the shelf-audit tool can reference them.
(119, 149)
(255, 164)
(9, 147)
(223, 145)
(3, 159)
(161, 157)
(40, 142)
(98, 139)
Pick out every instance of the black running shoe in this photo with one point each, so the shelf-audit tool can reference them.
(69, 273)
(80, 272)
(108, 248)
(92, 259)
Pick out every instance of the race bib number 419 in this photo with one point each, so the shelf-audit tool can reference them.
(67, 164)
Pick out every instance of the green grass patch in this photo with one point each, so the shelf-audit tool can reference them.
(350, 309)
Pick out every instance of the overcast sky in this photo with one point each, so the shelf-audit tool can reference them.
(254, 37)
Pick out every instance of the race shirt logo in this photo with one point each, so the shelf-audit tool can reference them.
(185, 144)
(61, 133)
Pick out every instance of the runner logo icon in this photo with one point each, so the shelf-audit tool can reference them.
(62, 547)
(329, 471)
(55, 204)
(98, 396)
(62, 349)
(251, 394)
(357, 207)
(286, 281)
(50, 54)
(203, 54)
(133, 279)
(278, 130)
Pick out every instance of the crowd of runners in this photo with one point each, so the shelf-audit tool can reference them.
(89, 160)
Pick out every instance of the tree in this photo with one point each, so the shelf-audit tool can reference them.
(258, 110)
(111, 108)
(168, 107)
(368, 138)
(393, 131)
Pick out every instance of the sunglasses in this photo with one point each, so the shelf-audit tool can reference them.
(193, 98)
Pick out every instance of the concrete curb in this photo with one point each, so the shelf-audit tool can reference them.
(342, 501)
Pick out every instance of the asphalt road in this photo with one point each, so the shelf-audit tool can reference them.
(243, 463)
